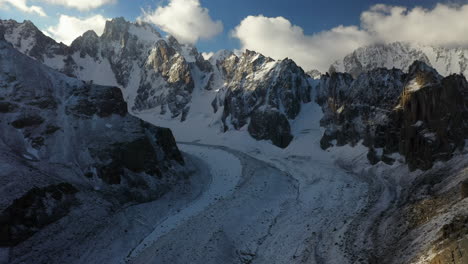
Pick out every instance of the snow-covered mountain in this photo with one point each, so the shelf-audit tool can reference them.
(370, 167)
(160, 75)
(66, 145)
(267, 92)
(28, 39)
(153, 72)
(401, 55)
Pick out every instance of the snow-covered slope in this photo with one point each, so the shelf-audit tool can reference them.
(401, 55)
(62, 140)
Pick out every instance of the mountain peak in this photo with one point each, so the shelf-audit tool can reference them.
(421, 75)
(90, 34)
(116, 28)
(220, 55)
(86, 44)
(421, 66)
(315, 74)
(401, 55)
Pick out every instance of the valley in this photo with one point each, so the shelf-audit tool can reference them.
(130, 147)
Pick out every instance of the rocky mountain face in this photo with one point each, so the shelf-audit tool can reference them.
(355, 108)
(401, 55)
(314, 74)
(434, 114)
(29, 40)
(65, 142)
(427, 221)
(261, 93)
(153, 72)
(421, 114)
(160, 75)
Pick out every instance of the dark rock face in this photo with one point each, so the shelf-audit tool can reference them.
(72, 122)
(420, 114)
(255, 81)
(166, 140)
(354, 109)
(65, 143)
(333, 87)
(137, 156)
(87, 44)
(96, 100)
(27, 121)
(434, 121)
(271, 125)
(34, 210)
(7, 107)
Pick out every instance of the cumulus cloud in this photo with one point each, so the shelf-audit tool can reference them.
(186, 20)
(445, 25)
(277, 37)
(23, 6)
(69, 28)
(81, 5)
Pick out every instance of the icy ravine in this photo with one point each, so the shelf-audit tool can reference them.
(225, 170)
(232, 229)
(311, 201)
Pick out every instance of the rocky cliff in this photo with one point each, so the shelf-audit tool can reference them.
(421, 114)
(258, 87)
(152, 71)
(63, 140)
(161, 75)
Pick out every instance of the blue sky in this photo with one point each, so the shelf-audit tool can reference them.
(302, 20)
(312, 16)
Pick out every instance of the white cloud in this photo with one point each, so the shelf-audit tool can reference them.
(186, 20)
(278, 38)
(207, 55)
(69, 28)
(23, 6)
(81, 5)
(443, 25)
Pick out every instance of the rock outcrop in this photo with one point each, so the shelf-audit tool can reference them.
(152, 71)
(255, 83)
(420, 114)
(161, 75)
(34, 210)
(28, 39)
(434, 114)
(60, 137)
(270, 124)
